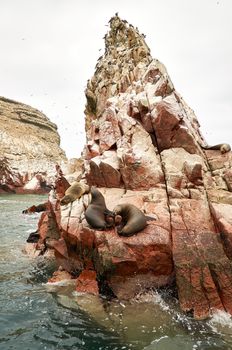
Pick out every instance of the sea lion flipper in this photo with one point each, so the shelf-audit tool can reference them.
(150, 218)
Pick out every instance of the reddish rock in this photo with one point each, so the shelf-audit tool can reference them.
(222, 214)
(61, 184)
(87, 283)
(59, 276)
(104, 170)
(12, 181)
(31, 249)
(109, 130)
(144, 147)
(111, 255)
(228, 179)
(48, 227)
(199, 260)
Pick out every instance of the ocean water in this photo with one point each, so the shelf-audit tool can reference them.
(36, 316)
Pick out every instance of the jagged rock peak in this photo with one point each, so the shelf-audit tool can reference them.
(123, 36)
(133, 113)
(118, 68)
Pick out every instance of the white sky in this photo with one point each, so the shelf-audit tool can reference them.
(49, 49)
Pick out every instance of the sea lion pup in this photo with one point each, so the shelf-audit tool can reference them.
(223, 147)
(132, 219)
(75, 191)
(97, 215)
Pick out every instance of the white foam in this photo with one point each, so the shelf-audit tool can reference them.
(221, 322)
(152, 297)
(155, 341)
(75, 293)
(63, 283)
(158, 339)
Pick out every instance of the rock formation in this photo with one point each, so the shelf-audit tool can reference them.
(29, 148)
(73, 169)
(144, 147)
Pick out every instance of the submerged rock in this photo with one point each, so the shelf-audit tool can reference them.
(29, 148)
(144, 147)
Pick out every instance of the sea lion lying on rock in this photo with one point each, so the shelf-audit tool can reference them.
(132, 219)
(223, 147)
(97, 215)
(36, 208)
(75, 191)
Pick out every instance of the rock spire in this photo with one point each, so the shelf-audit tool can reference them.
(144, 147)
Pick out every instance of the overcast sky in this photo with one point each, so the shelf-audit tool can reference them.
(49, 49)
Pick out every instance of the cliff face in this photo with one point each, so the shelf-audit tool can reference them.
(144, 147)
(29, 145)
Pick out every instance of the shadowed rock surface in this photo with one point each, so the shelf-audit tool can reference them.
(29, 148)
(144, 147)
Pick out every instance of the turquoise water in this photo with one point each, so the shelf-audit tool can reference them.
(34, 315)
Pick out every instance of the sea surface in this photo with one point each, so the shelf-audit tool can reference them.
(36, 316)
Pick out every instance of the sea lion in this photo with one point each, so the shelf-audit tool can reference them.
(33, 237)
(97, 215)
(75, 191)
(132, 219)
(223, 147)
(36, 208)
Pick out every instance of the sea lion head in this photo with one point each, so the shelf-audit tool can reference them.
(85, 187)
(117, 219)
(109, 220)
(225, 147)
(95, 193)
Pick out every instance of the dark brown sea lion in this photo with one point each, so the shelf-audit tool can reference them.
(36, 208)
(223, 147)
(33, 237)
(75, 191)
(132, 219)
(97, 215)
